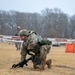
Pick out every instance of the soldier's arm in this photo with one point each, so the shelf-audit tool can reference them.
(23, 52)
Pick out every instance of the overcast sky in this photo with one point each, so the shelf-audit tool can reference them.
(67, 6)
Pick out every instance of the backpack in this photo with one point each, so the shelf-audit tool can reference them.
(44, 42)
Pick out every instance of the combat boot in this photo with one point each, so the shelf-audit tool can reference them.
(48, 63)
(35, 67)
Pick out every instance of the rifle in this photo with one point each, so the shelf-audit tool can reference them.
(24, 62)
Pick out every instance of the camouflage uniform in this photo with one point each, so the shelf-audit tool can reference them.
(18, 44)
(39, 51)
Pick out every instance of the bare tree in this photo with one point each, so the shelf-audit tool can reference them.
(72, 27)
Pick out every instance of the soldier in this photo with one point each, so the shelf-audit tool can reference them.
(18, 44)
(30, 43)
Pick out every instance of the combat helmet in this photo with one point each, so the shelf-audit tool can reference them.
(18, 27)
(23, 32)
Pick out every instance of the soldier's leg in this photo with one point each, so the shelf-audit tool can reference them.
(16, 45)
(36, 61)
(48, 63)
(23, 53)
(43, 54)
(19, 45)
(38, 66)
(34, 65)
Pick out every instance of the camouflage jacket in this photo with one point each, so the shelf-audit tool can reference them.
(30, 43)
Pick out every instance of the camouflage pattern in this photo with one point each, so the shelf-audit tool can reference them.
(18, 44)
(39, 51)
(23, 32)
(48, 63)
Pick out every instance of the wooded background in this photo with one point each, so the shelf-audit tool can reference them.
(52, 23)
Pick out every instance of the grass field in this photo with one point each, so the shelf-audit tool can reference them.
(62, 63)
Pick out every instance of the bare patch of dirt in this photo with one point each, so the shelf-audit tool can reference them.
(62, 63)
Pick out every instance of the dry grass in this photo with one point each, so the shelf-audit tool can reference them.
(62, 63)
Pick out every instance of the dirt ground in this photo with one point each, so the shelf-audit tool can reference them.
(62, 63)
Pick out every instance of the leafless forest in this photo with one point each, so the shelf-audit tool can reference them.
(49, 23)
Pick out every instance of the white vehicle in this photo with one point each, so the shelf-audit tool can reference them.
(55, 43)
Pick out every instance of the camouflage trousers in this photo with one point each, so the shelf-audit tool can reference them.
(44, 50)
(42, 55)
(18, 45)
